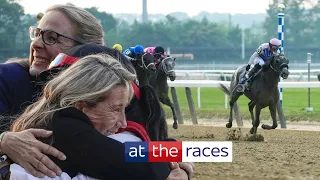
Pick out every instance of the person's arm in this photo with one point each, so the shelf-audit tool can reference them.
(24, 149)
(4, 97)
(95, 155)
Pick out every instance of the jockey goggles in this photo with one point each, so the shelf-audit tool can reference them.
(62, 59)
(158, 55)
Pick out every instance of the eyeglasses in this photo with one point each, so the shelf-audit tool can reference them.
(275, 48)
(48, 37)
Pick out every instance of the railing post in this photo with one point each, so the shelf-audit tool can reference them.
(191, 106)
(309, 108)
(199, 98)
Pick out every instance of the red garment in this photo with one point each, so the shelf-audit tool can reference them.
(136, 90)
(137, 129)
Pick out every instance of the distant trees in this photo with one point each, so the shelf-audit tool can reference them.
(206, 40)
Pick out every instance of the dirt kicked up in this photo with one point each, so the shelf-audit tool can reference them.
(283, 155)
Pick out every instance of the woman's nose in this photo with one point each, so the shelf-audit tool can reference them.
(122, 123)
(37, 43)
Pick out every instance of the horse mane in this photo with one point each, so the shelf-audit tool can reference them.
(148, 56)
(153, 115)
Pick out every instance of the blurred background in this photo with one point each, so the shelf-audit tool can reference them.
(202, 34)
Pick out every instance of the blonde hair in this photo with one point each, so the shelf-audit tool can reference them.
(88, 29)
(88, 81)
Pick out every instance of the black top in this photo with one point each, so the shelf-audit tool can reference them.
(91, 153)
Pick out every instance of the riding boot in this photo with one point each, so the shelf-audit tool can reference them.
(251, 73)
(254, 70)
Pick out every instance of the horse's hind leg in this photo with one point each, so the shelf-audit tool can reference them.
(251, 105)
(234, 97)
(273, 111)
(165, 100)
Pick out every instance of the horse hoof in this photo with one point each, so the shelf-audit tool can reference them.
(229, 125)
(251, 131)
(265, 126)
(175, 126)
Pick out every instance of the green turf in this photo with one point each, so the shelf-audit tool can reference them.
(294, 106)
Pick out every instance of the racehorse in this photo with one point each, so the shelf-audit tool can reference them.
(263, 91)
(159, 83)
(144, 67)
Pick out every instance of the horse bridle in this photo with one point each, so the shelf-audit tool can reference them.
(164, 67)
(143, 65)
(278, 70)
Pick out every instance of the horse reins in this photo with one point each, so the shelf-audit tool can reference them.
(164, 67)
(143, 65)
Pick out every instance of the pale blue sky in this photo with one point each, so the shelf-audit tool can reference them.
(191, 7)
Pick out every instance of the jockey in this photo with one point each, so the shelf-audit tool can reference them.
(132, 52)
(117, 47)
(157, 52)
(261, 56)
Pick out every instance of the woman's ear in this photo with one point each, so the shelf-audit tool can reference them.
(79, 105)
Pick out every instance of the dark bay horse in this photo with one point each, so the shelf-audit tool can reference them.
(159, 82)
(263, 90)
(144, 67)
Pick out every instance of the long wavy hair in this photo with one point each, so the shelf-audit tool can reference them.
(89, 80)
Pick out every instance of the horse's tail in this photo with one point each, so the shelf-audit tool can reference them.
(153, 114)
(225, 89)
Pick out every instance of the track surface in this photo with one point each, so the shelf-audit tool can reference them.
(284, 154)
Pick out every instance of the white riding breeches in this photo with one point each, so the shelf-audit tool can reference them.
(256, 59)
(259, 60)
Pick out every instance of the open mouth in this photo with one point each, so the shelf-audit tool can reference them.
(40, 61)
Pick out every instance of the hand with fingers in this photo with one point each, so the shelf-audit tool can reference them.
(188, 167)
(24, 149)
(177, 173)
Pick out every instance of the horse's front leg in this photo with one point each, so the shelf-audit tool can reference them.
(257, 120)
(251, 105)
(164, 98)
(273, 112)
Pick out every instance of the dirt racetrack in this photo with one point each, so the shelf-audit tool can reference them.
(283, 155)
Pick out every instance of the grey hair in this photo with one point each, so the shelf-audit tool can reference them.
(88, 81)
(88, 29)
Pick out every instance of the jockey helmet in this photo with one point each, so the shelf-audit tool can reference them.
(274, 44)
(138, 49)
(159, 51)
(117, 47)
